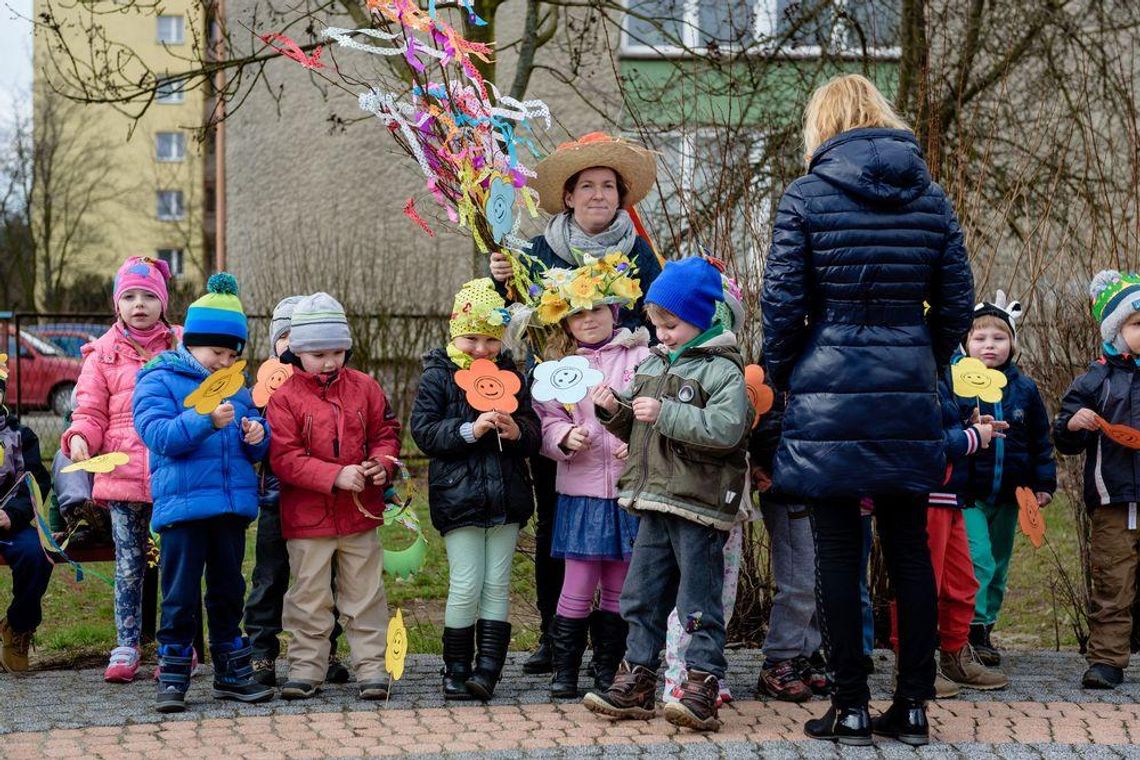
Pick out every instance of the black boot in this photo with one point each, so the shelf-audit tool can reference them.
(233, 673)
(541, 660)
(494, 639)
(847, 725)
(458, 651)
(568, 637)
(173, 677)
(608, 633)
(904, 720)
(980, 641)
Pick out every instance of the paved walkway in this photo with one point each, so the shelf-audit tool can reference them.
(63, 714)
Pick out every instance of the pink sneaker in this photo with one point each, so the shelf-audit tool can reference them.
(195, 667)
(124, 665)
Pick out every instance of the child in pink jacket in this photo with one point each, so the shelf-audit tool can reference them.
(591, 532)
(102, 422)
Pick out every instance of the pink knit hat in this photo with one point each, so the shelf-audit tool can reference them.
(144, 273)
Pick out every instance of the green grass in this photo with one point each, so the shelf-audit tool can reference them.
(79, 628)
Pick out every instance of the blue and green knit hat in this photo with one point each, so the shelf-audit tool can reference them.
(217, 319)
(1115, 297)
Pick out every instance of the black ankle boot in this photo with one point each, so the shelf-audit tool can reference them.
(847, 725)
(458, 651)
(493, 638)
(904, 720)
(568, 640)
(233, 673)
(608, 633)
(175, 663)
(540, 660)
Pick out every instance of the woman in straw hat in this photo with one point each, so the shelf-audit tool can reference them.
(860, 242)
(587, 185)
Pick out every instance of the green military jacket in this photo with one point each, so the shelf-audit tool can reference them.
(691, 462)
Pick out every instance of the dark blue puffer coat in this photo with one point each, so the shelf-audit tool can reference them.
(860, 242)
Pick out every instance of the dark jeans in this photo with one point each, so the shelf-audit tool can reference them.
(215, 546)
(901, 522)
(548, 571)
(31, 571)
(676, 563)
(269, 583)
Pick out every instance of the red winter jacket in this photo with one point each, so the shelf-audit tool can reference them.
(320, 426)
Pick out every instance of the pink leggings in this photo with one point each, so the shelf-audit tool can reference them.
(582, 579)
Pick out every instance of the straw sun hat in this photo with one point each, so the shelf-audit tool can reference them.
(636, 165)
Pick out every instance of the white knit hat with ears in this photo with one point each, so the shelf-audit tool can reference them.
(1002, 308)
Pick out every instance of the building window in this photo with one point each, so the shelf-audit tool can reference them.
(171, 30)
(173, 258)
(170, 91)
(170, 146)
(170, 205)
(795, 27)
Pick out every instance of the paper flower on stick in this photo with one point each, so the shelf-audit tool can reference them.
(397, 648)
(500, 201)
(270, 375)
(1029, 516)
(973, 379)
(103, 463)
(1128, 437)
(489, 389)
(567, 380)
(3, 366)
(759, 395)
(217, 388)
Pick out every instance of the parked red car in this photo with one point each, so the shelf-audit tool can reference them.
(70, 336)
(43, 374)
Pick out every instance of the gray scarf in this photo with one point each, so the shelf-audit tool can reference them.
(570, 242)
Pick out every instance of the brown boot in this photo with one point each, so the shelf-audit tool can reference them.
(697, 706)
(630, 697)
(944, 688)
(964, 668)
(14, 648)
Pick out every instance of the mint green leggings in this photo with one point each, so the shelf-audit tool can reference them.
(479, 564)
(991, 529)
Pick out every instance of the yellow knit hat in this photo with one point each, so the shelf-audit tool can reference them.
(479, 310)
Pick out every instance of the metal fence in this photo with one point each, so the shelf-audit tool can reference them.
(43, 359)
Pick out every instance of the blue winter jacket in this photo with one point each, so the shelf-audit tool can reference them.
(1024, 457)
(962, 441)
(860, 243)
(641, 255)
(196, 471)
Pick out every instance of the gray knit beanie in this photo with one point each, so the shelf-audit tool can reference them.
(279, 325)
(319, 324)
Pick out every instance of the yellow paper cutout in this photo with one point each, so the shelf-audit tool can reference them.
(103, 463)
(3, 366)
(397, 647)
(973, 379)
(217, 388)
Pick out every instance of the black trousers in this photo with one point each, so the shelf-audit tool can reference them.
(900, 520)
(548, 571)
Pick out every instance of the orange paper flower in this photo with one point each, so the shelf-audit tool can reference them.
(270, 375)
(759, 395)
(1029, 516)
(488, 387)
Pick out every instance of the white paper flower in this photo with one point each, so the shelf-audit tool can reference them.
(566, 380)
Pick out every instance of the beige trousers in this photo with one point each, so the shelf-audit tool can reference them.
(360, 598)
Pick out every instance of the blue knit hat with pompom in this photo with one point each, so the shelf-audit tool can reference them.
(217, 318)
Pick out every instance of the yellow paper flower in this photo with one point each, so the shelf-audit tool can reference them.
(397, 646)
(217, 388)
(583, 292)
(102, 463)
(973, 379)
(552, 308)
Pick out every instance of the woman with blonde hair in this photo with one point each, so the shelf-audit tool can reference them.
(860, 243)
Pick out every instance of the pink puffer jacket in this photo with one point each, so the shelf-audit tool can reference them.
(593, 471)
(102, 412)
